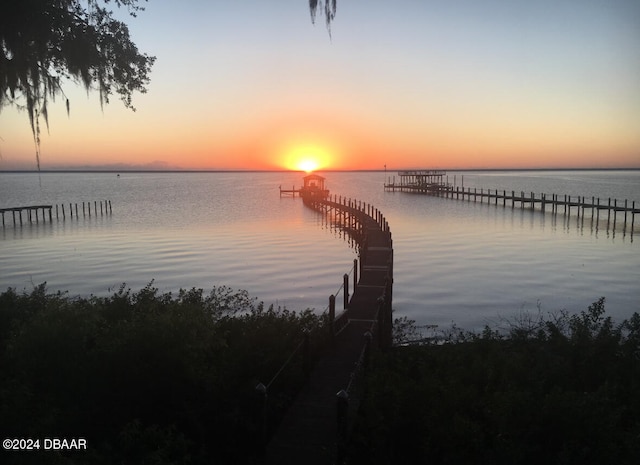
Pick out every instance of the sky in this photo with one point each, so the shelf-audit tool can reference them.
(456, 84)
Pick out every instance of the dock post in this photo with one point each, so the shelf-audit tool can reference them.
(355, 274)
(332, 315)
(579, 203)
(345, 282)
(625, 214)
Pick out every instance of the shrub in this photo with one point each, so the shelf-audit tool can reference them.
(562, 390)
(145, 377)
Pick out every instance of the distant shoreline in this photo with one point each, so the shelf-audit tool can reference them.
(478, 170)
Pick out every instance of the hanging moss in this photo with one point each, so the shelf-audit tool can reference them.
(329, 11)
(45, 43)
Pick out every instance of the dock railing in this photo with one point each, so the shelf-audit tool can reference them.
(366, 314)
(554, 203)
(611, 211)
(333, 326)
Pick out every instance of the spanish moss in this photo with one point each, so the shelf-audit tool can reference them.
(329, 11)
(44, 43)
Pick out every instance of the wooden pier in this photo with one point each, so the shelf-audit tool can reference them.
(31, 212)
(315, 428)
(429, 182)
(313, 184)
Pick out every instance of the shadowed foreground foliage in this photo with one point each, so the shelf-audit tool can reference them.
(144, 377)
(157, 378)
(562, 390)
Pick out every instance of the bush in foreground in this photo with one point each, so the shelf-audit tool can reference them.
(145, 377)
(560, 390)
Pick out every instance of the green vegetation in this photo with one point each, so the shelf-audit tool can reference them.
(145, 377)
(558, 390)
(158, 378)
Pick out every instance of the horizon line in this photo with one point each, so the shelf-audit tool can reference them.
(178, 170)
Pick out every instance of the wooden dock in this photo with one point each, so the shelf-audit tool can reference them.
(429, 182)
(31, 212)
(313, 184)
(315, 428)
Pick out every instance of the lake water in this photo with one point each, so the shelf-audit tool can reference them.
(455, 261)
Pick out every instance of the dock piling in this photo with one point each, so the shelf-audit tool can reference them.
(32, 212)
(433, 183)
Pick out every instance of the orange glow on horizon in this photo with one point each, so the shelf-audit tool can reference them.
(307, 158)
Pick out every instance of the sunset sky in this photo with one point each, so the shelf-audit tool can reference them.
(464, 84)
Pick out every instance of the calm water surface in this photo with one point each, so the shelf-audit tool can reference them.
(455, 261)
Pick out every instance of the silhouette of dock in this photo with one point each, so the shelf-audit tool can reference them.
(31, 212)
(432, 182)
(315, 428)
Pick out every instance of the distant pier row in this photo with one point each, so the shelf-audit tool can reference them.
(315, 429)
(20, 216)
(432, 182)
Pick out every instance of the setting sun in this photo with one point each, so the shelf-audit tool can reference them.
(308, 165)
(306, 158)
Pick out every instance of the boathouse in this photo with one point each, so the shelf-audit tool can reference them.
(313, 187)
(313, 182)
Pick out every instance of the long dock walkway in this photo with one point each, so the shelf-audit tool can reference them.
(430, 182)
(315, 428)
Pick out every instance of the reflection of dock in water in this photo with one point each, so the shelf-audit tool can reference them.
(432, 182)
